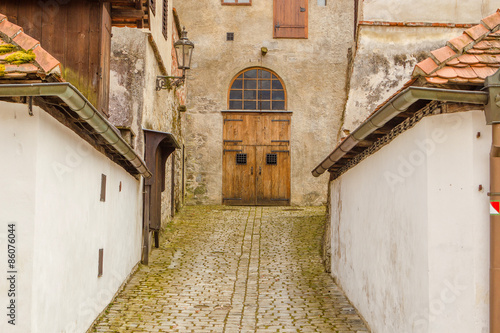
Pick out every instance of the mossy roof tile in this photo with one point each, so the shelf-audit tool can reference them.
(43, 66)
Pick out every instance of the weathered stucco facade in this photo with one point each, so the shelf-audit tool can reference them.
(137, 58)
(313, 70)
(392, 37)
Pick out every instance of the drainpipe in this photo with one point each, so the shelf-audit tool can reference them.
(85, 110)
(492, 112)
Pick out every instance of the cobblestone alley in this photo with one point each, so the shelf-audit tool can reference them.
(235, 269)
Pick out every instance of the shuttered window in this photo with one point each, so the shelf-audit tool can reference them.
(237, 2)
(164, 27)
(152, 5)
(290, 18)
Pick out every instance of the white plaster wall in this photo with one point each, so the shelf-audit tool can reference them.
(70, 223)
(445, 11)
(18, 139)
(410, 240)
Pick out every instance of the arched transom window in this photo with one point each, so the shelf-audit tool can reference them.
(257, 89)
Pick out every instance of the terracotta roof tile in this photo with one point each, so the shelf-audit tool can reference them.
(436, 80)
(24, 68)
(459, 80)
(468, 59)
(453, 62)
(443, 54)
(45, 59)
(492, 21)
(9, 29)
(15, 75)
(475, 51)
(477, 56)
(25, 42)
(487, 58)
(483, 45)
(43, 65)
(427, 66)
(447, 72)
(477, 31)
(483, 72)
(460, 43)
(465, 73)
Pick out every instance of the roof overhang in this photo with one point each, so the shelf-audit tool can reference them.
(130, 13)
(86, 113)
(397, 105)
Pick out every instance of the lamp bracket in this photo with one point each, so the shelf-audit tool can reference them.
(168, 82)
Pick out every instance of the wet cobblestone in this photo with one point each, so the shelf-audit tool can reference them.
(235, 269)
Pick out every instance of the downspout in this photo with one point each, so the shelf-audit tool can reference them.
(85, 110)
(399, 103)
(492, 113)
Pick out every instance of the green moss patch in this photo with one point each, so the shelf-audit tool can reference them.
(20, 57)
(2, 70)
(7, 48)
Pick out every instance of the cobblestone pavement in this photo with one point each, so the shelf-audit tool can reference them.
(235, 269)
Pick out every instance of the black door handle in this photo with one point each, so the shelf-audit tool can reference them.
(302, 9)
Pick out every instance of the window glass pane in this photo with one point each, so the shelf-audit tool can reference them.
(265, 84)
(251, 74)
(264, 74)
(236, 94)
(265, 105)
(235, 105)
(279, 95)
(229, 1)
(250, 94)
(277, 84)
(250, 105)
(250, 84)
(243, 1)
(264, 94)
(237, 84)
(278, 105)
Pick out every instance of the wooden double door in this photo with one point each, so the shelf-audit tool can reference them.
(256, 159)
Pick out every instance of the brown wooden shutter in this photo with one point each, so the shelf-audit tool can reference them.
(290, 18)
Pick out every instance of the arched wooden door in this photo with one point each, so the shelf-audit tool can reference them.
(256, 139)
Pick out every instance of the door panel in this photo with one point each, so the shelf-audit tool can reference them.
(273, 175)
(239, 175)
(258, 181)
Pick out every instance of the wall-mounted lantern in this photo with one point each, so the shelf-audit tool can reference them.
(183, 52)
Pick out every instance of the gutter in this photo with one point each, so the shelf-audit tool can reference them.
(85, 110)
(397, 104)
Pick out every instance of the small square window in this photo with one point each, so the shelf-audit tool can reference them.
(241, 159)
(272, 159)
(230, 36)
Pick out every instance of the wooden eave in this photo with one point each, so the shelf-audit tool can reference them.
(130, 13)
